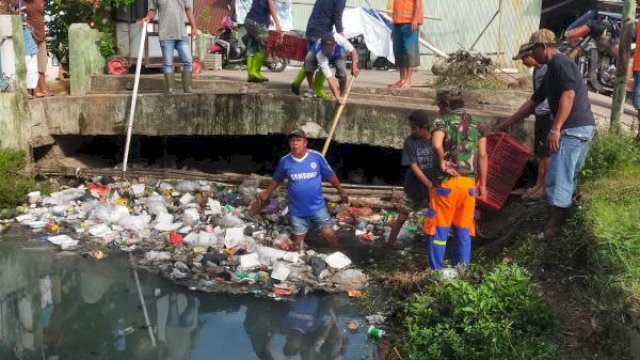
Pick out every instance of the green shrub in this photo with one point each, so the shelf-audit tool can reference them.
(14, 186)
(610, 152)
(501, 317)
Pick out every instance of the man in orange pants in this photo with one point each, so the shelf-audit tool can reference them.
(460, 144)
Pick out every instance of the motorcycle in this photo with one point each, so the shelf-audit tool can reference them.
(592, 41)
(227, 44)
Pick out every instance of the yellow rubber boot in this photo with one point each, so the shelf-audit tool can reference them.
(258, 60)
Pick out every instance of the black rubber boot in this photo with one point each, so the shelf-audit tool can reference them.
(186, 82)
(169, 83)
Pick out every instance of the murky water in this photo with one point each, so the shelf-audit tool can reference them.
(63, 306)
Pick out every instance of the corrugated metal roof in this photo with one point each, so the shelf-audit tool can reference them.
(209, 13)
(460, 24)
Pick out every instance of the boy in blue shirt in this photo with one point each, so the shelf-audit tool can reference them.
(305, 169)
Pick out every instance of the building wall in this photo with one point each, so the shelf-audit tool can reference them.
(458, 24)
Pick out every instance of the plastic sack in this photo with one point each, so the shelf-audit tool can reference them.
(248, 189)
(190, 216)
(271, 255)
(157, 256)
(156, 205)
(109, 213)
(63, 197)
(135, 223)
(349, 279)
(231, 221)
(188, 186)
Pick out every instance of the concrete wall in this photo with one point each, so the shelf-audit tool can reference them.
(205, 114)
(13, 105)
(13, 120)
(85, 59)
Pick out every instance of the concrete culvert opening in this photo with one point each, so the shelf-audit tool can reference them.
(357, 164)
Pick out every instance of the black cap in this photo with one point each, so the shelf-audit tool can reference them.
(297, 133)
(421, 118)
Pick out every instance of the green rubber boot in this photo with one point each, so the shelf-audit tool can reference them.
(250, 61)
(318, 86)
(186, 82)
(297, 82)
(258, 60)
(169, 83)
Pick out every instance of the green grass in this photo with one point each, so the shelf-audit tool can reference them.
(501, 315)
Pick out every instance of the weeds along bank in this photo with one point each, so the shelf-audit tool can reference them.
(14, 184)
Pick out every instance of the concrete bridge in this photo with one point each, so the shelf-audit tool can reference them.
(224, 104)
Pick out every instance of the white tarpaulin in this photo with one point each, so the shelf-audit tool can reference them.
(376, 33)
(282, 6)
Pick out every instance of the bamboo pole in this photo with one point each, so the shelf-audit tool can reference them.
(626, 38)
(337, 117)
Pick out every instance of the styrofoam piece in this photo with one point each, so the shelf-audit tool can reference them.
(280, 273)
(186, 198)
(215, 207)
(100, 230)
(25, 218)
(157, 256)
(233, 237)
(65, 242)
(338, 260)
(138, 189)
(249, 261)
(185, 230)
(191, 215)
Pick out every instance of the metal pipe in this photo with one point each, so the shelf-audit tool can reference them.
(142, 303)
(134, 97)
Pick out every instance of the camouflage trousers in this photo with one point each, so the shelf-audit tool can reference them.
(258, 34)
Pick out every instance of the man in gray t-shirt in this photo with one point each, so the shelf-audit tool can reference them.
(172, 17)
(542, 124)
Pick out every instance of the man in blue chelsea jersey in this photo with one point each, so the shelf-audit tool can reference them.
(305, 169)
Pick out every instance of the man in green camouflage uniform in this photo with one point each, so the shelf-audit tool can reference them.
(459, 142)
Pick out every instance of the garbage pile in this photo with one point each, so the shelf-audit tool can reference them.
(464, 69)
(200, 234)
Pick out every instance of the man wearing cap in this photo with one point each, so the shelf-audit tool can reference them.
(460, 144)
(305, 169)
(417, 156)
(572, 128)
(542, 123)
(330, 51)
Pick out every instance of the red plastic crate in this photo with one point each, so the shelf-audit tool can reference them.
(507, 160)
(287, 46)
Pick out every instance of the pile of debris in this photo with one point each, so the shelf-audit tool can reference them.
(465, 70)
(201, 234)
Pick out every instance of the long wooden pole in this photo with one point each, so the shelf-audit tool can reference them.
(337, 118)
(626, 38)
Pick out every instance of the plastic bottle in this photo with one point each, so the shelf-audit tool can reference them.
(375, 333)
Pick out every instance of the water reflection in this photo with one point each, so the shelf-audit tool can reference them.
(56, 306)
